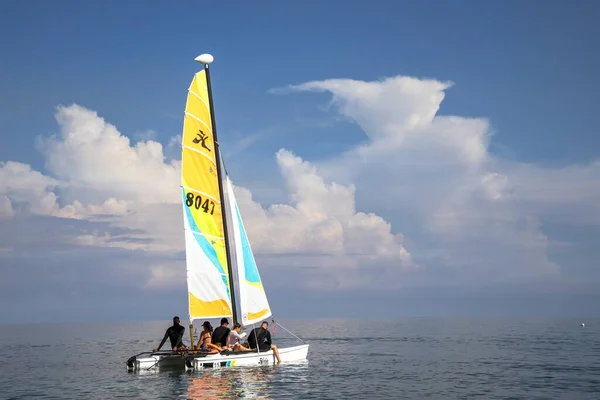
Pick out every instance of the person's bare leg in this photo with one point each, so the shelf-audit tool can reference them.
(239, 347)
(276, 352)
(214, 346)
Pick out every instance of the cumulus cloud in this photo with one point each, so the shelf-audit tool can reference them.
(421, 201)
(568, 194)
(126, 193)
(92, 155)
(131, 192)
(6, 209)
(470, 213)
(321, 228)
(320, 219)
(388, 108)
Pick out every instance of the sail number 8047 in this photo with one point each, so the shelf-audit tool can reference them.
(195, 200)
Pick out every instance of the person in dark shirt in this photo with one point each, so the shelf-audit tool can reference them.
(262, 337)
(175, 335)
(221, 335)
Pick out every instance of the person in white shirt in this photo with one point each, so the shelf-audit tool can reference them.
(234, 338)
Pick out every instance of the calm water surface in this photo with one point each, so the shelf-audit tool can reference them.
(413, 358)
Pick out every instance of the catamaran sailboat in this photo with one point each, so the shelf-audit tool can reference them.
(222, 275)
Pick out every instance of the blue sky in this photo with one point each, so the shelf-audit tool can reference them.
(528, 69)
(523, 66)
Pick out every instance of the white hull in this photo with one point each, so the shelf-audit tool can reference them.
(190, 361)
(286, 354)
(156, 361)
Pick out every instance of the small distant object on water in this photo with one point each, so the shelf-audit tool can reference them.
(582, 325)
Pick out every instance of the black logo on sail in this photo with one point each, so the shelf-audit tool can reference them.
(201, 138)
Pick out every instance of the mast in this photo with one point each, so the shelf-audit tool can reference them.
(206, 59)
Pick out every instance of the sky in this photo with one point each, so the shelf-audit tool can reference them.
(389, 159)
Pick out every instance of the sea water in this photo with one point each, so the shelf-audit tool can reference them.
(412, 358)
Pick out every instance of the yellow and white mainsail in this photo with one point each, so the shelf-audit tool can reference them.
(209, 291)
(252, 299)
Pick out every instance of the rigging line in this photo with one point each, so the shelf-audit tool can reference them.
(224, 166)
(288, 331)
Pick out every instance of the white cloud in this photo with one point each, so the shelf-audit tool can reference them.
(386, 108)
(472, 214)
(166, 274)
(422, 200)
(146, 135)
(98, 175)
(6, 210)
(90, 154)
(569, 194)
(20, 185)
(173, 149)
(320, 219)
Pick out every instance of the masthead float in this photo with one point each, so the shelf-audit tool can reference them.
(221, 272)
(205, 58)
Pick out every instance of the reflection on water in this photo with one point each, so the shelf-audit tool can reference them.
(221, 383)
(252, 382)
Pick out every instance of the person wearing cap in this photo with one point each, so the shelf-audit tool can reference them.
(175, 335)
(221, 334)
